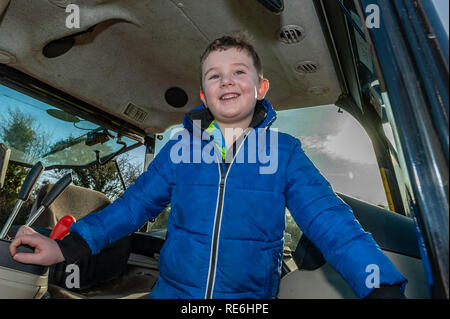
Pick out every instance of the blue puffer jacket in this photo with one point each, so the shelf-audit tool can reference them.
(225, 229)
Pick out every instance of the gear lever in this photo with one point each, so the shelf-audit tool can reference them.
(24, 194)
(50, 197)
(61, 229)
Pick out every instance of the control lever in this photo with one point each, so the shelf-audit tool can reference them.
(24, 194)
(62, 227)
(50, 197)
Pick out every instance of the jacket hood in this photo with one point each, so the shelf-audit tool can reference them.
(263, 116)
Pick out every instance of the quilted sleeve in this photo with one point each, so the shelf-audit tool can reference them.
(142, 201)
(330, 224)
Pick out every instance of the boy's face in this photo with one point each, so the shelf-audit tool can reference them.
(231, 86)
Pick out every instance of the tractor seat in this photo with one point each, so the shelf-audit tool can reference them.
(75, 200)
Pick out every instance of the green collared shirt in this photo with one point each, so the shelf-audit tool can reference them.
(205, 117)
(214, 130)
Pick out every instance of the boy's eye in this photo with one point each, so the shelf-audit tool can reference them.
(240, 72)
(214, 76)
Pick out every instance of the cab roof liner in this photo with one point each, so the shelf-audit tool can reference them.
(134, 52)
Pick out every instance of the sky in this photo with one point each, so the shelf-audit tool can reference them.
(442, 7)
(340, 149)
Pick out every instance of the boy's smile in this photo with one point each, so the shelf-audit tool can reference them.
(231, 87)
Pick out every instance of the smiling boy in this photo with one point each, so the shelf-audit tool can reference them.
(227, 220)
(231, 85)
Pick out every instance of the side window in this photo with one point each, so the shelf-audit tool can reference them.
(398, 161)
(160, 222)
(340, 149)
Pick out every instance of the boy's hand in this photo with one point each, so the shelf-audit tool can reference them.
(46, 250)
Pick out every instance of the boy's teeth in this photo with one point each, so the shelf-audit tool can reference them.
(228, 96)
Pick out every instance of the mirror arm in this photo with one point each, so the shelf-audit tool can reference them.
(103, 162)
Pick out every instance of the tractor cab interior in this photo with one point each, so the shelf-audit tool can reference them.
(91, 80)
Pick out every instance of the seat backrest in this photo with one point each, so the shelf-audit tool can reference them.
(391, 231)
(307, 256)
(74, 200)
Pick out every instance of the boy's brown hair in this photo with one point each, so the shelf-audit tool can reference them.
(238, 40)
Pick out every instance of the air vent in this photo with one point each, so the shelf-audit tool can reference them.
(58, 47)
(135, 113)
(318, 90)
(307, 67)
(176, 97)
(7, 58)
(291, 34)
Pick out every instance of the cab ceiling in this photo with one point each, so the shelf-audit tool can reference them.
(135, 50)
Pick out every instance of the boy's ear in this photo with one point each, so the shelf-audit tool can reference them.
(202, 97)
(262, 89)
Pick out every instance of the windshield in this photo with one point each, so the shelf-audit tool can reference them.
(36, 131)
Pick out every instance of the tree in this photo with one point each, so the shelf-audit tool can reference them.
(13, 181)
(20, 132)
(161, 221)
(8, 194)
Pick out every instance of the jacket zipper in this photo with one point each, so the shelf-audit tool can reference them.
(215, 237)
(218, 219)
(217, 222)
